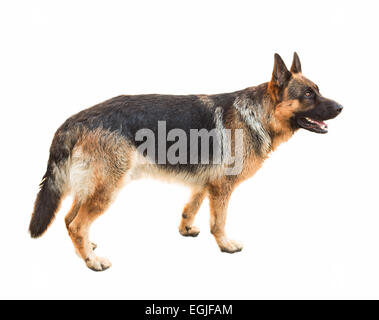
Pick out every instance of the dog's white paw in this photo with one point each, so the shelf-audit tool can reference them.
(229, 246)
(98, 263)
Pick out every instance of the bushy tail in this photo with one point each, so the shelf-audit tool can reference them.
(54, 183)
(47, 202)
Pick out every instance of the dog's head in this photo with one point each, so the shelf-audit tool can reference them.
(298, 102)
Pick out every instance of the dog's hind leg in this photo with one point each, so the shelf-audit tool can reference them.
(99, 167)
(71, 216)
(186, 227)
(219, 195)
(72, 213)
(78, 226)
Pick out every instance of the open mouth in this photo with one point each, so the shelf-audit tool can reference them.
(313, 125)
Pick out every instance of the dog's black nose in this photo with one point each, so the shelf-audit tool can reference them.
(339, 108)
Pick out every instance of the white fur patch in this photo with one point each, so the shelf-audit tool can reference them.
(80, 177)
(222, 135)
(252, 116)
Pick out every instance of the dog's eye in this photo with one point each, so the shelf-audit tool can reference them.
(309, 93)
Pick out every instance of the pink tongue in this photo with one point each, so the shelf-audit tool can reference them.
(320, 123)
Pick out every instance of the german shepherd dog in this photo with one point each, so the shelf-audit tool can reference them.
(95, 152)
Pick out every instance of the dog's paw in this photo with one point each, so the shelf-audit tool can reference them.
(98, 263)
(189, 231)
(229, 246)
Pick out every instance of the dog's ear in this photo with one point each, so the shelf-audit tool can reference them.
(280, 74)
(296, 65)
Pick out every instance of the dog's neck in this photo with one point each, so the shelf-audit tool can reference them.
(263, 113)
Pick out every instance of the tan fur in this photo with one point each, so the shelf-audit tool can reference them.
(186, 227)
(79, 227)
(280, 122)
(219, 194)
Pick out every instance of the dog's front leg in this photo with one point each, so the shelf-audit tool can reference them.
(186, 227)
(219, 195)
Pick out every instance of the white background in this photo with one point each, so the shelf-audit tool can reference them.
(309, 219)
